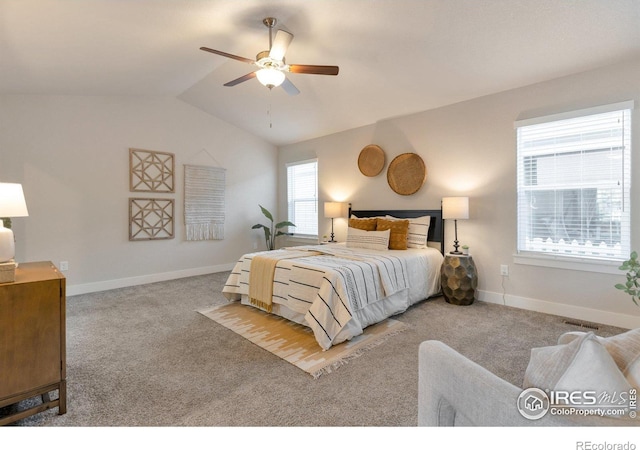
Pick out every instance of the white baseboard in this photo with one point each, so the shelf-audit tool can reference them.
(531, 304)
(558, 309)
(87, 288)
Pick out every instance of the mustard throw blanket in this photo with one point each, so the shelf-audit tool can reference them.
(263, 269)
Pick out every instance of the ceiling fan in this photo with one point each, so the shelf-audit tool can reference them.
(270, 64)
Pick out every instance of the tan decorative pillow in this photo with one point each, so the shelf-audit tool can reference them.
(366, 224)
(418, 231)
(399, 231)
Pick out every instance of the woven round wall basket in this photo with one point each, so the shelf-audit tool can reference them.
(371, 160)
(406, 173)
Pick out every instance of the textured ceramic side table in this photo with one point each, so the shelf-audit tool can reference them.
(459, 279)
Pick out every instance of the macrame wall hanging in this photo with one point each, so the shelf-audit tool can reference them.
(204, 202)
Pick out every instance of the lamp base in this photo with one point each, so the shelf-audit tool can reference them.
(332, 235)
(7, 244)
(8, 272)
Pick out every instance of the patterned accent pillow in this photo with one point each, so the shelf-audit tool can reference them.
(583, 364)
(624, 348)
(418, 231)
(374, 240)
(399, 232)
(367, 224)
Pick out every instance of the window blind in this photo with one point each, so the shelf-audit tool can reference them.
(302, 197)
(573, 181)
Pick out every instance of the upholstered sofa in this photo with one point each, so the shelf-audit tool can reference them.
(455, 391)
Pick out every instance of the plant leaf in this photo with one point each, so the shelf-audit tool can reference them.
(266, 213)
(285, 224)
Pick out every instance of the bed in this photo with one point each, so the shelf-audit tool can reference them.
(339, 289)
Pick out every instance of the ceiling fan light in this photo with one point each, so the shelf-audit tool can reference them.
(270, 77)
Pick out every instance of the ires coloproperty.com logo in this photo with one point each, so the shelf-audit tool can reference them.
(534, 403)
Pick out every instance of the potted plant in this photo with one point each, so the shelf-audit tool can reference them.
(632, 286)
(465, 249)
(273, 231)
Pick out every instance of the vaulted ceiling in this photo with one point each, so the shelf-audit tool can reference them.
(396, 57)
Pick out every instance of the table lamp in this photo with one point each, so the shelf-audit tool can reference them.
(334, 210)
(455, 208)
(12, 204)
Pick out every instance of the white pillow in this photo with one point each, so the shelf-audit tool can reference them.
(583, 364)
(418, 231)
(624, 348)
(374, 240)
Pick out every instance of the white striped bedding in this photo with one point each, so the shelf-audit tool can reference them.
(343, 290)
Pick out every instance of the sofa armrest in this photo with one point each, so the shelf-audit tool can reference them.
(454, 390)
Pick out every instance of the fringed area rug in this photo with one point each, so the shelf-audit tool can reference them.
(295, 343)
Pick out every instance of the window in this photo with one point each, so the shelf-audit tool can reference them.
(573, 180)
(302, 197)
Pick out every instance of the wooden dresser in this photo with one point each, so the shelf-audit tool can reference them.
(33, 341)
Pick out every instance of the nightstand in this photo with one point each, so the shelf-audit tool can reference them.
(33, 340)
(458, 279)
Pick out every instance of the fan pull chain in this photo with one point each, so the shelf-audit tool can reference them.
(269, 110)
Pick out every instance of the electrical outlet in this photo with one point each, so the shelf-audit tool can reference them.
(64, 266)
(504, 270)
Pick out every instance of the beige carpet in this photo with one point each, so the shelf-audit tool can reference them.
(295, 343)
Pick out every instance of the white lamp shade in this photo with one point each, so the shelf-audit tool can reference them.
(455, 208)
(270, 77)
(12, 202)
(336, 209)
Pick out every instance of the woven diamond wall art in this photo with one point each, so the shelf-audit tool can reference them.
(151, 171)
(150, 218)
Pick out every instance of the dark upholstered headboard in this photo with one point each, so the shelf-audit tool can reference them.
(436, 228)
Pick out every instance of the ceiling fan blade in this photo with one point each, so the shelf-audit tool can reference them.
(318, 70)
(228, 55)
(243, 78)
(289, 87)
(280, 45)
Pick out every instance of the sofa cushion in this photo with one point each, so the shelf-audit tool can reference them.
(584, 364)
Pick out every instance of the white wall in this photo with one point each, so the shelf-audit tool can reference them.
(469, 149)
(72, 156)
